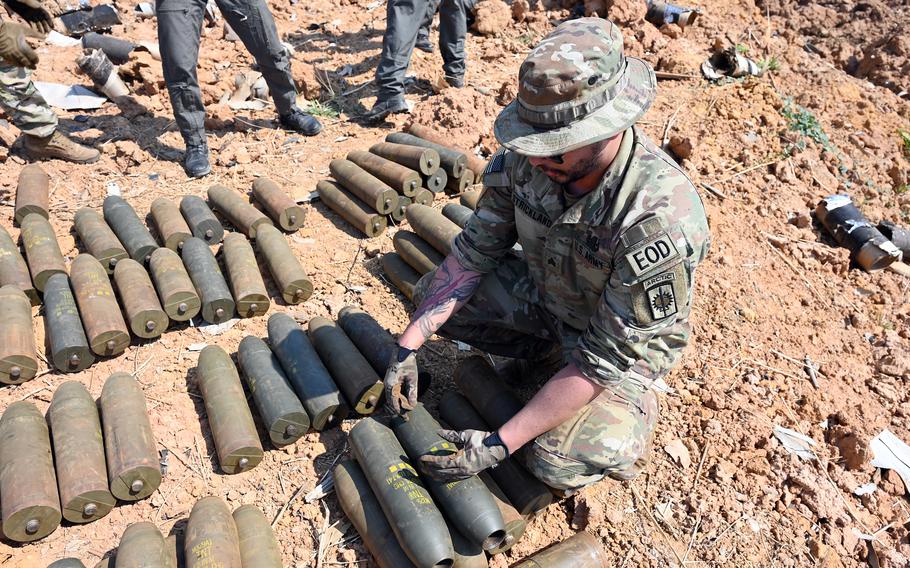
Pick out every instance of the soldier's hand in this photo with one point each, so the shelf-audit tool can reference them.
(479, 450)
(14, 49)
(34, 13)
(400, 375)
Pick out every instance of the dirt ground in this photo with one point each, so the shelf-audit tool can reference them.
(824, 118)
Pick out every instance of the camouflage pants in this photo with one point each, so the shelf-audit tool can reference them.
(610, 436)
(23, 104)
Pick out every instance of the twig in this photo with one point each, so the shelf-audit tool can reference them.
(34, 392)
(812, 370)
(668, 75)
(730, 525)
(796, 361)
(796, 270)
(701, 464)
(669, 125)
(287, 504)
(647, 510)
(776, 370)
(691, 540)
(713, 190)
(749, 169)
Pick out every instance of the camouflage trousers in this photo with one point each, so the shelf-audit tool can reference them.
(610, 436)
(23, 104)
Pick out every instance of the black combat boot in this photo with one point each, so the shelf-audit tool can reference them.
(196, 160)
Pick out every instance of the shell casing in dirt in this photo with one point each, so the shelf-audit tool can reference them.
(452, 161)
(422, 160)
(287, 272)
(211, 536)
(279, 205)
(247, 285)
(144, 313)
(418, 524)
(351, 208)
(41, 249)
(28, 488)
(67, 563)
(480, 384)
(400, 178)
(358, 381)
(171, 225)
(281, 411)
(70, 352)
(459, 184)
(238, 211)
(458, 214)
(416, 252)
(304, 369)
(850, 228)
(515, 524)
(258, 545)
(85, 494)
(470, 198)
(370, 189)
(400, 273)
(433, 227)
(467, 553)
(424, 196)
(201, 220)
(217, 303)
(175, 288)
(229, 417)
(397, 214)
(130, 230)
(436, 182)
(581, 550)
(104, 326)
(32, 192)
(18, 353)
(14, 270)
(129, 444)
(374, 342)
(142, 545)
(99, 240)
(474, 163)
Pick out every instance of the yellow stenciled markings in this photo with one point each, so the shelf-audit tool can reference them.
(398, 480)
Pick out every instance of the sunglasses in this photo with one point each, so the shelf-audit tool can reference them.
(558, 158)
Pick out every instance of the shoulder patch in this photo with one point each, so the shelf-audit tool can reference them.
(496, 173)
(648, 247)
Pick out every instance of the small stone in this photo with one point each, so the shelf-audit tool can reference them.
(681, 146)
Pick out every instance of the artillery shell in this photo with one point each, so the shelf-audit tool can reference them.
(172, 227)
(246, 218)
(352, 209)
(467, 553)
(79, 454)
(141, 545)
(69, 348)
(458, 214)
(99, 240)
(175, 288)
(129, 444)
(397, 214)
(304, 370)
(515, 524)
(433, 227)
(211, 536)
(67, 563)
(280, 207)
(201, 220)
(476, 164)
(416, 252)
(418, 524)
(403, 180)
(364, 185)
(372, 340)
(436, 182)
(400, 273)
(243, 272)
(18, 354)
(423, 160)
(140, 302)
(104, 326)
(217, 304)
(850, 229)
(13, 270)
(283, 415)
(28, 488)
(360, 384)
(258, 545)
(286, 270)
(41, 249)
(452, 161)
(470, 198)
(455, 185)
(424, 196)
(130, 230)
(31, 192)
(478, 381)
(581, 550)
(228, 414)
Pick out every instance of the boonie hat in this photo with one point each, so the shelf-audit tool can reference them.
(575, 88)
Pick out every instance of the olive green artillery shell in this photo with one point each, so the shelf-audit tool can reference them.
(457, 185)
(66, 339)
(287, 272)
(238, 211)
(129, 444)
(467, 554)
(373, 341)
(280, 409)
(351, 208)
(79, 454)
(354, 374)
(41, 249)
(32, 192)
(201, 220)
(14, 270)
(478, 381)
(305, 371)
(436, 182)
(399, 273)
(433, 227)
(99, 240)
(475, 164)
(424, 196)
(175, 288)
(280, 207)
(370, 189)
(104, 326)
(67, 563)
(470, 198)
(581, 550)
(217, 303)
(28, 488)
(144, 313)
(258, 545)
(230, 420)
(171, 225)
(400, 178)
(452, 161)
(397, 214)
(416, 252)
(247, 285)
(458, 214)
(363, 510)
(423, 160)
(130, 230)
(211, 536)
(142, 545)
(514, 522)
(18, 354)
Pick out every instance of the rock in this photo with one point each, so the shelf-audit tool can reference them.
(681, 146)
(491, 17)
(800, 220)
(892, 483)
(723, 472)
(520, 9)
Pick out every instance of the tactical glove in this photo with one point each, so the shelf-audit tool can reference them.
(34, 13)
(401, 374)
(479, 450)
(14, 50)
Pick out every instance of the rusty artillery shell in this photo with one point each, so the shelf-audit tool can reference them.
(175, 288)
(470, 198)
(280, 409)
(351, 372)
(286, 270)
(18, 354)
(99, 240)
(433, 227)
(142, 545)
(217, 304)
(32, 192)
(228, 414)
(41, 249)
(476, 164)
(351, 209)
(171, 225)
(104, 326)
(397, 214)
(364, 185)
(436, 181)
(67, 563)
(304, 370)
(452, 161)
(130, 230)
(129, 444)
(201, 220)
(581, 550)
(400, 273)
(69, 348)
(416, 252)
(403, 180)
(246, 218)
(258, 545)
(14, 270)
(467, 553)
(211, 536)
(459, 184)
(423, 160)
(458, 214)
(85, 494)
(280, 207)
(28, 488)
(144, 313)
(247, 286)
(424, 196)
(515, 524)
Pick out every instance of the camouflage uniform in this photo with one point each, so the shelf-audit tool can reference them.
(23, 104)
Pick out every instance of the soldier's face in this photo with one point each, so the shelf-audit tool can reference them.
(580, 163)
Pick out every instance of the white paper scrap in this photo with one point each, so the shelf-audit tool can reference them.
(795, 442)
(70, 97)
(891, 453)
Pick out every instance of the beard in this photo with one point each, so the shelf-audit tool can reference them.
(579, 169)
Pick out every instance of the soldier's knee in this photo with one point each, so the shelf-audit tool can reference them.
(559, 472)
